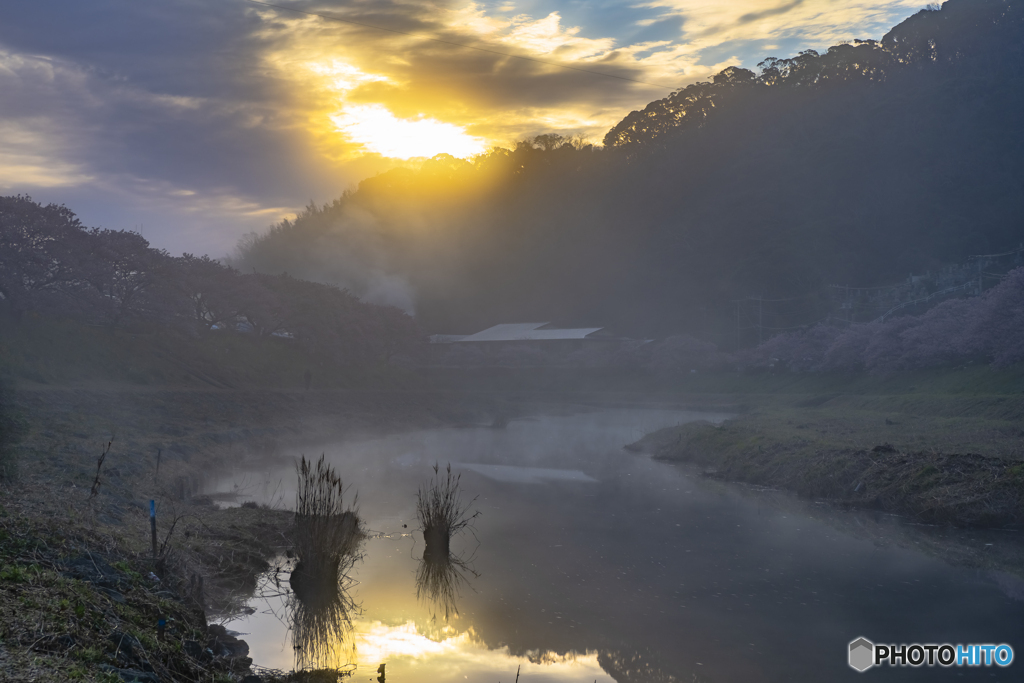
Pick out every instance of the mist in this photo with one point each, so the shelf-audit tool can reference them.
(729, 387)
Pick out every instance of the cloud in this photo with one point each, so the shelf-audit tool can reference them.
(206, 120)
(781, 9)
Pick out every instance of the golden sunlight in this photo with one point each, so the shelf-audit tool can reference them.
(461, 656)
(378, 130)
(343, 76)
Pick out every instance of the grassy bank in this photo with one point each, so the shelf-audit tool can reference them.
(945, 448)
(83, 600)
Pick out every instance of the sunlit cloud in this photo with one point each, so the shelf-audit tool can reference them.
(381, 132)
(457, 656)
(342, 76)
(382, 91)
(31, 156)
(229, 114)
(547, 36)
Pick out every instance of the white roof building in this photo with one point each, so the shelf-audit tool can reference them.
(516, 332)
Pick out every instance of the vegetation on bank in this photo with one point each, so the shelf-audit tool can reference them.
(939, 447)
(81, 599)
(52, 265)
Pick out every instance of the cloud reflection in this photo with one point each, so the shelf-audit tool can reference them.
(451, 655)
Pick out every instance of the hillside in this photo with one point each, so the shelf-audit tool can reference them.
(853, 167)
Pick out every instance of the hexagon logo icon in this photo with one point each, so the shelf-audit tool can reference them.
(862, 654)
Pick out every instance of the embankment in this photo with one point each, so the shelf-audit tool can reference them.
(954, 459)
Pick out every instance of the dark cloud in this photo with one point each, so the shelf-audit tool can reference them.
(774, 11)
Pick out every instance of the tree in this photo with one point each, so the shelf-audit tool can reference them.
(41, 251)
(122, 270)
(209, 288)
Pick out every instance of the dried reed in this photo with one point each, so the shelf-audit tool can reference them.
(99, 465)
(326, 531)
(440, 509)
(442, 514)
(327, 536)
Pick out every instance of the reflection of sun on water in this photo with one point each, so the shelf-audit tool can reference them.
(460, 656)
(380, 131)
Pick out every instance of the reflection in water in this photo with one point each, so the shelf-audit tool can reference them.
(439, 579)
(667, 574)
(442, 513)
(321, 621)
(327, 538)
(419, 653)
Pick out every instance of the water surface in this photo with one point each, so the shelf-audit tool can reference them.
(596, 564)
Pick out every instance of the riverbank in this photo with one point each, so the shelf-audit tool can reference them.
(946, 449)
(81, 592)
(936, 458)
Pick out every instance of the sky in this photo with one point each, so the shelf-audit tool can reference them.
(194, 122)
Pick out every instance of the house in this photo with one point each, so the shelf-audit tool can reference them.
(519, 334)
(510, 343)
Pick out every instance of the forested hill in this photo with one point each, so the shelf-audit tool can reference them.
(854, 167)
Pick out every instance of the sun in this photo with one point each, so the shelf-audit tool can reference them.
(378, 130)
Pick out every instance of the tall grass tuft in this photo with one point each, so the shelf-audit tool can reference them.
(326, 531)
(441, 511)
(327, 537)
(442, 514)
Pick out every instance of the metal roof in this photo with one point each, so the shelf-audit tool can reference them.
(527, 332)
(446, 338)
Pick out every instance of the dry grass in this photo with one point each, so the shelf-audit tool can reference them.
(440, 509)
(442, 513)
(326, 530)
(327, 537)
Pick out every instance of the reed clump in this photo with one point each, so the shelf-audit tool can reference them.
(441, 512)
(327, 531)
(327, 537)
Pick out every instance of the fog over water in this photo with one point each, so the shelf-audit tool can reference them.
(595, 563)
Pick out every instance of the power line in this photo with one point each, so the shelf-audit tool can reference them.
(448, 42)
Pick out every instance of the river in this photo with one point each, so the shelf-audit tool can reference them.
(591, 563)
